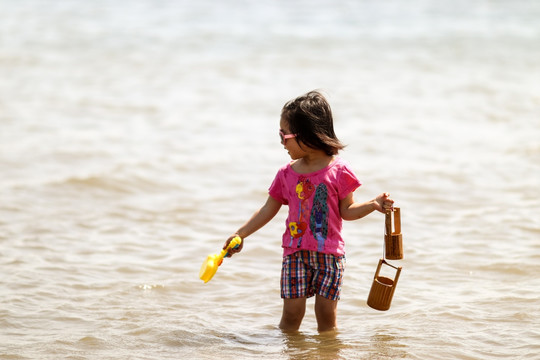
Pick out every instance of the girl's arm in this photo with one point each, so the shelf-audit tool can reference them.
(351, 210)
(260, 218)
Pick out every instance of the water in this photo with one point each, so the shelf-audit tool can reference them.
(136, 136)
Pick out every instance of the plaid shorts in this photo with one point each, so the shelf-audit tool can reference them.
(306, 273)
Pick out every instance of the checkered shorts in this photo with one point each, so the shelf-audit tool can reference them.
(306, 273)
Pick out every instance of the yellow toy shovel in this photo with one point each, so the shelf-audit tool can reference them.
(210, 266)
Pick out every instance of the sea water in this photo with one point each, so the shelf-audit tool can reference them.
(136, 136)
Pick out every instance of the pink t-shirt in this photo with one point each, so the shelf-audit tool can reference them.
(314, 221)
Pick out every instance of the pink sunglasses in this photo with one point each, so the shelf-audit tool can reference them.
(284, 136)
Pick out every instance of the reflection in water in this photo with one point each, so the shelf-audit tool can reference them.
(385, 346)
(332, 346)
(321, 346)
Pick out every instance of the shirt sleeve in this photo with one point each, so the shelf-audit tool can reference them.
(347, 182)
(276, 189)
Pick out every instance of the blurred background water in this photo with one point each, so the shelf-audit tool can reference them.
(136, 136)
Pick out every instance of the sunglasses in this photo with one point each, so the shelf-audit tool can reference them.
(284, 136)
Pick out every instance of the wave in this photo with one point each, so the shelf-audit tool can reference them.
(123, 184)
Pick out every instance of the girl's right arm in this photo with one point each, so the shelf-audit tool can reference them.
(260, 218)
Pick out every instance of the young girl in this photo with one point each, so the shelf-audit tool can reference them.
(318, 187)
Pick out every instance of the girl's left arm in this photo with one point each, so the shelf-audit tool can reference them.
(351, 210)
(257, 221)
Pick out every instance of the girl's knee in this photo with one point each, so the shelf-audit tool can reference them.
(326, 313)
(291, 321)
(293, 314)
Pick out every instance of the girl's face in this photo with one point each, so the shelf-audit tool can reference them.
(291, 145)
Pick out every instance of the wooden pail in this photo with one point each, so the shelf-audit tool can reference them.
(382, 288)
(393, 242)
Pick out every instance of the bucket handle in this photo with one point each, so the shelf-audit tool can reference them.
(398, 270)
(397, 221)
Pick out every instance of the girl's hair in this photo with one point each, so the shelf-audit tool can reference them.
(309, 117)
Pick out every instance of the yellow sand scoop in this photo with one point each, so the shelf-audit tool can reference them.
(210, 265)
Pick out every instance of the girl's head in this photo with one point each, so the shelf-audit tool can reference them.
(309, 117)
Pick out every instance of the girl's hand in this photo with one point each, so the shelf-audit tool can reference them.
(383, 203)
(231, 252)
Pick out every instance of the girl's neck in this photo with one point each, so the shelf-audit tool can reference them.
(313, 161)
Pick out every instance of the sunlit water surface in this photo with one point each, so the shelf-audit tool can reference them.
(135, 137)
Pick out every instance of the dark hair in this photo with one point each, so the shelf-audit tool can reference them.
(309, 117)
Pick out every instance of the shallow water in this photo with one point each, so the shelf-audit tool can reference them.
(135, 137)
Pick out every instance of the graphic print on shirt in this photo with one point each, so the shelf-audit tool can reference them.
(319, 216)
(304, 190)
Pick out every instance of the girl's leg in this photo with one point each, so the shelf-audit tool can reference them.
(293, 313)
(326, 313)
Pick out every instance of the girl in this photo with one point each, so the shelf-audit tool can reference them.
(318, 187)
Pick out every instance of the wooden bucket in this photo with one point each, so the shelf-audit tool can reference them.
(382, 288)
(393, 242)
